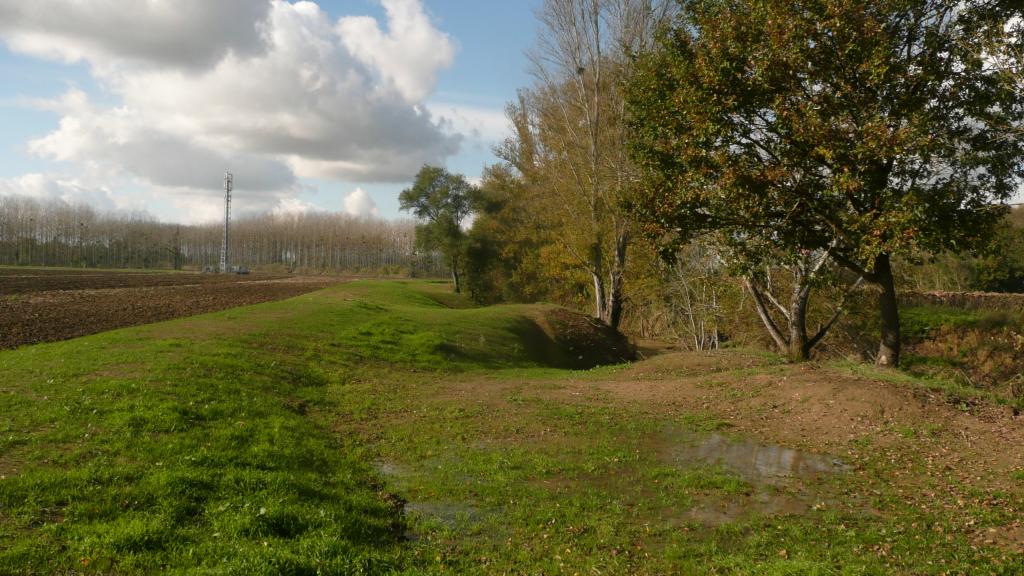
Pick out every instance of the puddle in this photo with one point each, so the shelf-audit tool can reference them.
(450, 514)
(759, 463)
(776, 473)
(390, 470)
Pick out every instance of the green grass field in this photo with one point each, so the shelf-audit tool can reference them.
(386, 427)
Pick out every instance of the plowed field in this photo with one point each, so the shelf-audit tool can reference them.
(39, 305)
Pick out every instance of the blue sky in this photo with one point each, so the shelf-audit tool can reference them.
(53, 70)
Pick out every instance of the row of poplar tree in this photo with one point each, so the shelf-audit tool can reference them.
(56, 233)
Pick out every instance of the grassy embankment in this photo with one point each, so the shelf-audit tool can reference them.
(378, 427)
(971, 352)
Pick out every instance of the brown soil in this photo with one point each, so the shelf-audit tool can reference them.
(14, 281)
(49, 305)
(582, 341)
(828, 410)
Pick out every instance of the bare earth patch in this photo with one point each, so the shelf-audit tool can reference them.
(45, 306)
(825, 409)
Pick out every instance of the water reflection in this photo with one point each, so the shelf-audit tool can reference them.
(758, 462)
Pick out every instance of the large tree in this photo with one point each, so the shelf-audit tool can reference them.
(860, 129)
(570, 128)
(441, 201)
(506, 248)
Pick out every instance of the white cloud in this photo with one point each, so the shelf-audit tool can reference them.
(488, 126)
(183, 33)
(199, 208)
(52, 187)
(408, 55)
(120, 141)
(281, 93)
(292, 207)
(358, 203)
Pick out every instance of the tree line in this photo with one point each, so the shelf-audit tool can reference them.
(677, 155)
(57, 233)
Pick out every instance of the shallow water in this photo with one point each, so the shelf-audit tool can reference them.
(390, 470)
(777, 476)
(758, 463)
(451, 514)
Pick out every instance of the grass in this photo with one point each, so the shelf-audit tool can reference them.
(145, 448)
(384, 428)
(919, 321)
(956, 391)
(922, 321)
(966, 353)
(152, 452)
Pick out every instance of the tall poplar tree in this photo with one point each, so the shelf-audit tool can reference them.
(570, 128)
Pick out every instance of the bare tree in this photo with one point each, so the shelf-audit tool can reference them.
(787, 323)
(693, 296)
(575, 119)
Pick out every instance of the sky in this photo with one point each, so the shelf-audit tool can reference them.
(327, 105)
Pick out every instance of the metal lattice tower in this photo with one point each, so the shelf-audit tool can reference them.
(225, 256)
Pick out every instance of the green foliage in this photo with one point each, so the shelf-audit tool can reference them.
(493, 253)
(441, 201)
(510, 252)
(835, 122)
(1000, 268)
(866, 129)
(997, 267)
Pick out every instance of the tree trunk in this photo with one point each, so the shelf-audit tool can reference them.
(766, 317)
(799, 351)
(455, 276)
(597, 271)
(600, 310)
(889, 347)
(794, 342)
(614, 309)
(615, 296)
